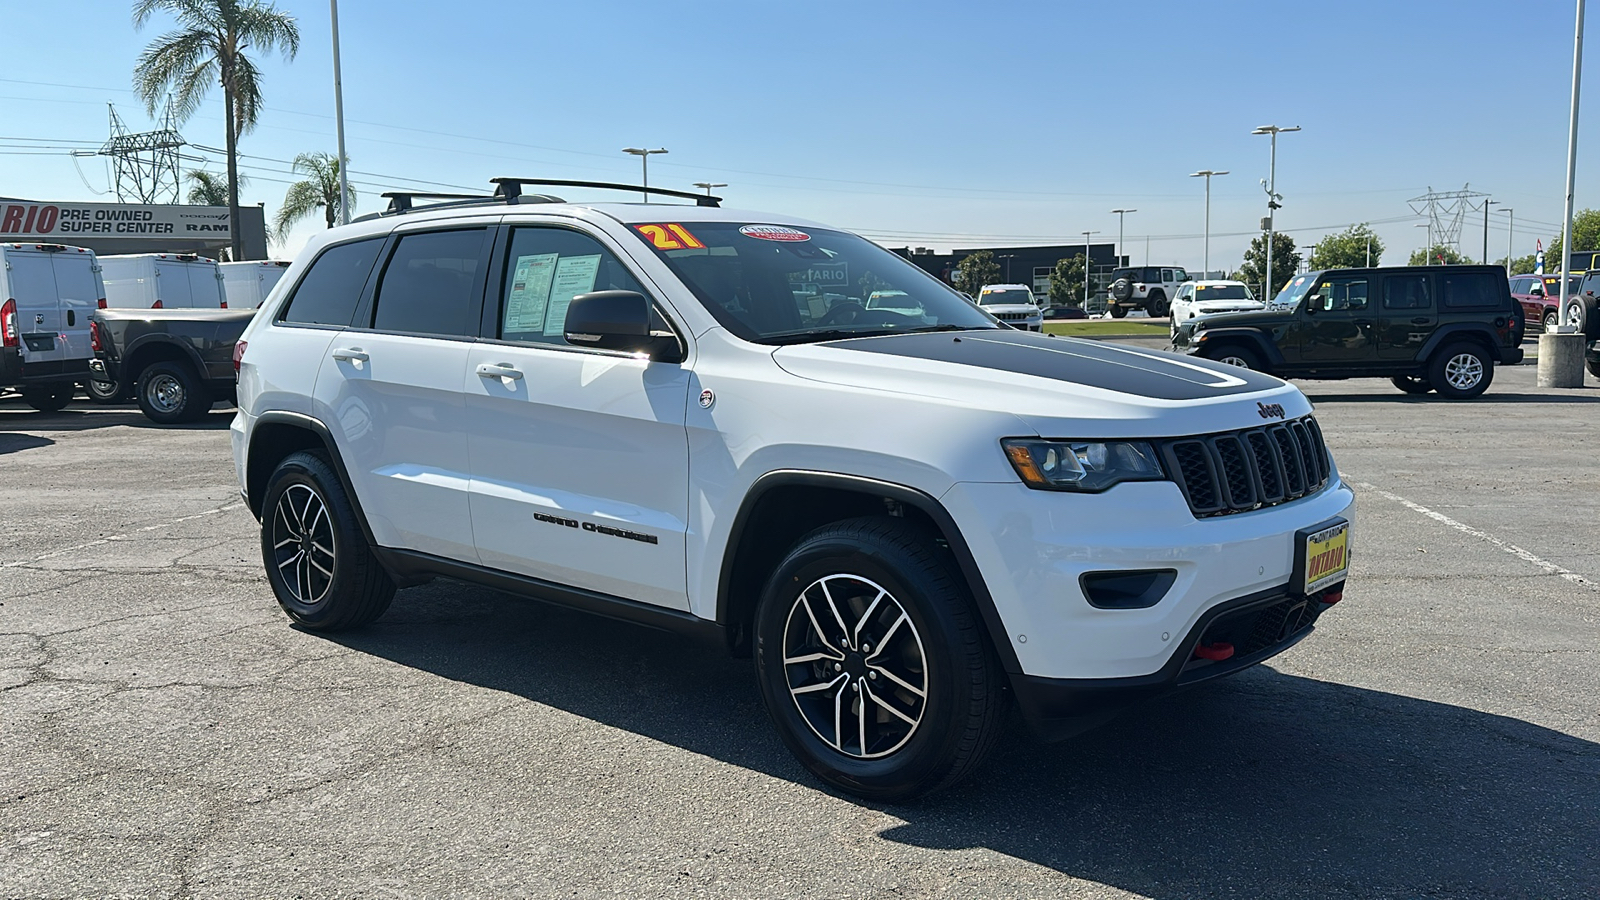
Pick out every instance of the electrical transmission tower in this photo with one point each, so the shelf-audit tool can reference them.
(145, 163)
(1446, 211)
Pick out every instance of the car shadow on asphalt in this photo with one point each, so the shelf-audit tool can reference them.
(11, 442)
(1490, 397)
(88, 418)
(1265, 784)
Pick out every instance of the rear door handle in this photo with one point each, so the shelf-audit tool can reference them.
(1420, 320)
(351, 354)
(500, 370)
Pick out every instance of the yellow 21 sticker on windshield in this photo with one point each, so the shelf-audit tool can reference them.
(670, 237)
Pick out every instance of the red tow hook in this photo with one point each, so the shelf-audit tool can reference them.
(1215, 652)
(1332, 597)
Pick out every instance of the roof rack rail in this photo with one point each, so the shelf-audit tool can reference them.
(511, 189)
(401, 201)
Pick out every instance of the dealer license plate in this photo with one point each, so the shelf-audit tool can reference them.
(1325, 556)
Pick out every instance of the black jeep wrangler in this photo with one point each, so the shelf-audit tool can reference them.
(1426, 328)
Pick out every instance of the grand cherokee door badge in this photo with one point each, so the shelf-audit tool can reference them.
(596, 528)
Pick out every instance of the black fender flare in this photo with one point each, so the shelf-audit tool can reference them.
(1474, 331)
(325, 436)
(1252, 337)
(129, 375)
(923, 502)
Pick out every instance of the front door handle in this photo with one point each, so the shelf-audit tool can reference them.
(500, 370)
(1420, 320)
(351, 354)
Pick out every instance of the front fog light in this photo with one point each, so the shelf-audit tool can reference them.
(1081, 465)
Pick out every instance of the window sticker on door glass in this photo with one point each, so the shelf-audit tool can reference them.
(574, 275)
(530, 293)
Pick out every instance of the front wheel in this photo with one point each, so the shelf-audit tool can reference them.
(1411, 384)
(1551, 320)
(318, 561)
(1236, 356)
(873, 663)
(1461, 371)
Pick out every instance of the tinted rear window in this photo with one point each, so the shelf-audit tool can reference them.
(329, 292)
(427, 286)
(1468, 290)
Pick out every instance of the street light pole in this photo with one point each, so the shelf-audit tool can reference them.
(1486, 205)
(1578, 316)
(1271, 185)
(1427, 252)
(1121, 214)
(1206, 174)
(338, 115)
(644, 160)
(1086, 259)
(1511, 225)
(708, 185)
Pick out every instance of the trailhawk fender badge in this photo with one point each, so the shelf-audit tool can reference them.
(707, 398)
(1269, 410)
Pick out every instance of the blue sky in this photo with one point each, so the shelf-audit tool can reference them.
(933, 123)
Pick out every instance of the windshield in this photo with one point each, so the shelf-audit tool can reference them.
(1004, 297)
(1222, 292)
(773, 284)
(1295, 289)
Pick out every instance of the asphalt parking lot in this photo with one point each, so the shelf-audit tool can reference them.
(165, 733)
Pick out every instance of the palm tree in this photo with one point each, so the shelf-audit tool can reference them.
(210, 47)
(319, 191)
(209, 188)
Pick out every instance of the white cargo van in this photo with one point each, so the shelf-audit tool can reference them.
(248, 282)
(47, 294)
(162, 281)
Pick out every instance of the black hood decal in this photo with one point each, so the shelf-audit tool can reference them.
(1127, 370)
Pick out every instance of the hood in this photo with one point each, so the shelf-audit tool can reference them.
(1051, 383)
(1266, 316)
(1216, 306)
(1010, 308)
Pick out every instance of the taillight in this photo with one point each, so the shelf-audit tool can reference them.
(8, 324)
(157, 305)
(101, 303)
(224, 304)
(94, 337)
(238, 355)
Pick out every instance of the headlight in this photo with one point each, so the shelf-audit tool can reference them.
(1088, 466)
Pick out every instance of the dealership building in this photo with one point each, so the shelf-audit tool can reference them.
(1018, 265)
(112, 228)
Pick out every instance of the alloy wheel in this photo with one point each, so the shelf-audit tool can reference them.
(303, 544)
(1234, 361)
(1463, 371)
(855, 666)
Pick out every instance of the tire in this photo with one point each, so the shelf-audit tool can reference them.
(1234, 355)
(170, 393)
(1158, 306)
(1118, 312)
(892, 582)
(1460, 371)
(104, 391)
(1594, 367)
(1412, 384)
(48, 398)
(307, 523)
(1551, 320)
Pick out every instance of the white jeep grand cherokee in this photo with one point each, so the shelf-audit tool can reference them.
(691, 418)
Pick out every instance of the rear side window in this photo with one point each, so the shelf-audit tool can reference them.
(329, 292)
(427, 286)
(1468, 290)
(546, 268)
(1406, 292)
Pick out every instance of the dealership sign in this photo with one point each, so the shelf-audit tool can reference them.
(61, 222)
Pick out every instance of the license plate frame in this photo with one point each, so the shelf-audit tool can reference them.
(1321, 556)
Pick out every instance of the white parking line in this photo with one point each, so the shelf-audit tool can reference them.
(122, 537)
(1510, 548)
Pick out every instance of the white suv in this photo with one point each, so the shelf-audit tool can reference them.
(1012, 304)
(694, 419)
(1150, 288)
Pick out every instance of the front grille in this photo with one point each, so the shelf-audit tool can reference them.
(1237, 471)
(1013, 317)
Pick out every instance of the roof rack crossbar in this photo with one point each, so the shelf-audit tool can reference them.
(511, 189)
(400, 201)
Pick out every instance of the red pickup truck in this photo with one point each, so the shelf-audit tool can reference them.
(1540, 296)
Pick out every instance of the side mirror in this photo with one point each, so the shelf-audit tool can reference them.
(1314, 303)
(615, 320)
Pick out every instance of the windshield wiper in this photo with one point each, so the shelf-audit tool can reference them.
(829, 334)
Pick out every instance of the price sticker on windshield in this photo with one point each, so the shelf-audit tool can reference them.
(671, 236)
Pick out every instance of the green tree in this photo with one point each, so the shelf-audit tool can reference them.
(975, 271)
(1347, 249)
(209, 188)
(1066, 282)
(1585, 234)
(1441, 255)
(1285, 262)
(320, 190)
(1520, 265)
(210, 48)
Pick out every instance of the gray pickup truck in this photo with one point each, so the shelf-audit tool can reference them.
(175, 362)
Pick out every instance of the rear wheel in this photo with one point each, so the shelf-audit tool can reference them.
(318, 561)
(1158, 306)
(1551, 320)
(1118, 312)
(1594, 367)
(1461, 371)
(104, 391)
(170, 393)
(1411, 384)
(873, 664)
(48, 398)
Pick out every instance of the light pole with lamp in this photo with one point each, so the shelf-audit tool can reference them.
(1008, 257)
(1486, 205)
(1427, 251)
(708, 185)
(644, 160)
(338, 114)
(1206, 174)
(1122, 214)
(1271, 186)
(1561, 347)
(1086, 266)
(1511, 225)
